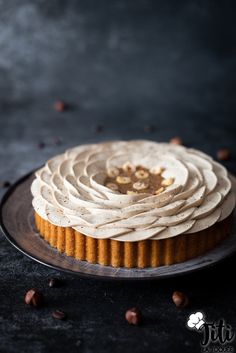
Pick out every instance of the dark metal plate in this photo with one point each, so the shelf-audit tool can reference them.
(17, 223)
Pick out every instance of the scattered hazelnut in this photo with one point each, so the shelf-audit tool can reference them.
(59, 315)
(149, 128)
(34, 298)
(98, 128)
(41, 145)
(59, 106)
(6, 184)
(176, 141)
(223, 154)
(133, 316)
(180, 299)
(57, 141)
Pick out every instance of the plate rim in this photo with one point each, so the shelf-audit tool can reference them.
(16, 245)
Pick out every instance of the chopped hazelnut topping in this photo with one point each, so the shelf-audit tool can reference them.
(133, 179)
(140, 185)
(128, 167)
(157, 170)
(123, 179)
(158, 191)
(141, 174)
(112, 186)
(131, 192)
(167, 182)
(112, 172)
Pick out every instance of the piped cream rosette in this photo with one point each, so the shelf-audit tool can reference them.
(69, 191)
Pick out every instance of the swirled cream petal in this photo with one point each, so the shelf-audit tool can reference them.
(84, 183)
(35, 187)
(167, 210)
(196, 199)
(142, 207)
(78, 169)
(219, 169)
(47, 195)
(65, 168)
(57, 183)
(140, 234)
(206, 222)
(43, 176)
(208, 206)
(194, 181)
(227, 206)
(170, 232)
(173, 220)
(223, 186)
(39, 206)
(102, 233)
(57, 217)
(137, 221)
(67, 205)
(53, 164)
(210, 180)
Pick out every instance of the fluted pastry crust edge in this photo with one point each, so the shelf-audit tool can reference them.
(140, 254)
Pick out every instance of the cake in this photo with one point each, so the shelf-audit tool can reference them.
(133, 203)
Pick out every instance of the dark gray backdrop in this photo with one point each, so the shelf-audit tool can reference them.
(127, 69)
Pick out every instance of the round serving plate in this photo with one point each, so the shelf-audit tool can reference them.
(17, 223)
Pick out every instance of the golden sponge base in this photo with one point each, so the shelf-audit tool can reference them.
(140, 254)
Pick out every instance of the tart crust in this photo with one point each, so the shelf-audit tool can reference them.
(141, 254)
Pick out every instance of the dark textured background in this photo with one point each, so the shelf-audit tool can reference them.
(124, 65)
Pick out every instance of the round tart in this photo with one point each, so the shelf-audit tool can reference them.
(133, 203)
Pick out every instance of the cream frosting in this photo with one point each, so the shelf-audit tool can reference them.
(69, 191)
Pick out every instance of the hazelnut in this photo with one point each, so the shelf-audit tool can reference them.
(60, 106)
(123, 179)
(133, 316)
(176, 141)
(6, 184)
(41, 145)
(180, 299)
(223, 154)
(59, 315)
(98, 128)
(149, 128)
(34, 298)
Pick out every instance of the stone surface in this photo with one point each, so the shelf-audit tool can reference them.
(122, 65)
